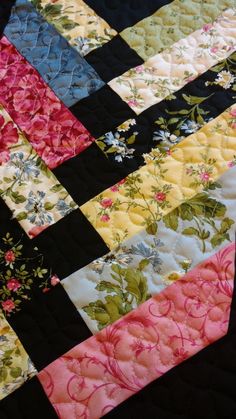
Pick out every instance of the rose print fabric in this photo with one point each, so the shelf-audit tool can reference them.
(27, 186)
(167, 72)
(103, 371)
(77, 22)
(170, 121)
(166, 181)
(15, 364)
(144, 265)
(52, 130)
(61, 67)
(171, 23)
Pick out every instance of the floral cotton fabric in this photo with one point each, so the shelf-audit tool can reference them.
(165, 182)
(103, 371)
(27, 186)
(77, 22)
(50, 127)
(171, 23)
(167, 72)
(15, 364)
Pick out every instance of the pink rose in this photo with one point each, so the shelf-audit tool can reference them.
(106, 203)
(46, 290)
(233, 113)
(214, 50)
(133, 103)
(230, 164)
(207, 27)
(9, 256)
(13, 284)
(139, 69)
(205, 177)
(160, 196)
(114, 188)
(105, 218)
(122, 181)
(37, 230)
(8, 305)
(54, 280)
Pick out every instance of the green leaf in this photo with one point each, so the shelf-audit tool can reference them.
(21, 216)
(143, 263)
(48, 206)
(217, 239)
(56, 188)
(190, 231)
(3, 374)
(7, 180)
(151, 229)
(108, 287)
(171, 220)
(136, 284)
(131, 139)
(15, 372)
(17, 198)
(193, 100)
(225, 225)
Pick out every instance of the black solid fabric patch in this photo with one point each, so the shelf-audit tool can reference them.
(28, 402)
(113, 59)
(70, 244)
(5, 13)
(49, 326)
(88, 174)
(201, 387)
(121, 14)
(102, 111)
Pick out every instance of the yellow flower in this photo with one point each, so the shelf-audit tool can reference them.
(224, 79)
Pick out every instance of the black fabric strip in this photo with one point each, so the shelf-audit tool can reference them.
(102, 111)
(113, 59)
(70, 244)
(201, 387)
(5, 13)
(172, 119)
(28, 402)
(88, 174)
(123, 13)
(49, 326)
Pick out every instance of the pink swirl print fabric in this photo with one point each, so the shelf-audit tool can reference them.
(50, 127)
(101, 372)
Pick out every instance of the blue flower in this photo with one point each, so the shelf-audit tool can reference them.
(35, 207)
(63, 207)
(25, 169)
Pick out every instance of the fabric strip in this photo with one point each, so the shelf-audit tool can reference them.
(100, 373)
(144, 265)
(169, 71)
(166, 181)
(171, 23)
(50, 127)
(77, 22)
(59, 64)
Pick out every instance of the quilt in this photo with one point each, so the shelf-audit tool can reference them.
(117, 209)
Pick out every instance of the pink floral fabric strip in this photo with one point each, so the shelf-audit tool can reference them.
(103, 371)
(53, 131)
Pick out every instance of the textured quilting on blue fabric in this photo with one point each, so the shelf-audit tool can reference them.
(60, 65)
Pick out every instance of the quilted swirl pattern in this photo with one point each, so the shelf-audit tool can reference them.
(60, 65)
(103, 371)
(172, 23)
(164, 182)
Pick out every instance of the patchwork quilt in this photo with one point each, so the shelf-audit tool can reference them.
(117, 209)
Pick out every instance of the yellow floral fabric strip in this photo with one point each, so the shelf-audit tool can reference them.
(172, 23)
(28, 187)
(169, 71)
(77, 22)
(165, 182)
(15, 364)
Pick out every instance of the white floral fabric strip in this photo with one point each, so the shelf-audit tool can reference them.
(28, 187)
(169, 71)
(144, 265)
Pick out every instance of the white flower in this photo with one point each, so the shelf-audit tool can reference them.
(190, 126)
(225, 79)
(126, 125)
(161, 135)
